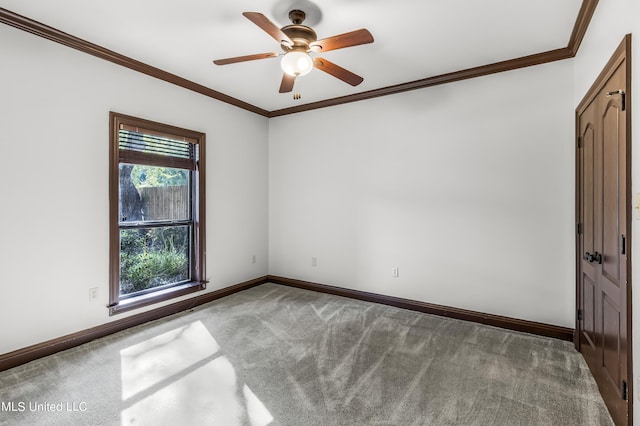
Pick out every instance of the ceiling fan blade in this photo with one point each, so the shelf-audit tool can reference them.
(269, 27)
(337, 71)
(245, 58)
(287, 83)
(339, 41)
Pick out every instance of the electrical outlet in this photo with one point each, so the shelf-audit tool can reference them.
(314, 261)
(395, 272)
(253, 259)
(93, 293)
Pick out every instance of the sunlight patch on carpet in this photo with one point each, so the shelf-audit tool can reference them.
(182, 377)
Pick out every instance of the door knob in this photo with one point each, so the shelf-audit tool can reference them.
(597, 257)
(593, 257)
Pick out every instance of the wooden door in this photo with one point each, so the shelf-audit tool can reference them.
(603, 247)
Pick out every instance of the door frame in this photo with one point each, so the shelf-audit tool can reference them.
(622, 53)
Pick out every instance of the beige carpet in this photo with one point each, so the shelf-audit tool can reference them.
(284, 356)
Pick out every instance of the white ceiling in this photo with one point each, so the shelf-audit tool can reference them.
(414, 39)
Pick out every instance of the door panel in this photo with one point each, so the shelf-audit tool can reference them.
(611, 341)
(611, 190)
(589, 319)
(589, 305)
(588, 167)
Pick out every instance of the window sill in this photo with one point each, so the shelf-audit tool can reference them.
(156, 297)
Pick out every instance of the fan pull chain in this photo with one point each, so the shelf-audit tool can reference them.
(297, 95)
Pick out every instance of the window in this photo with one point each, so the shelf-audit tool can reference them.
(156, 208)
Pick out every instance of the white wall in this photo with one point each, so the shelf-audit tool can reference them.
(54, 109)
(466, 187)
(611, 21)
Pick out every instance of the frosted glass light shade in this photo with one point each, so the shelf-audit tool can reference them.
(296, 63)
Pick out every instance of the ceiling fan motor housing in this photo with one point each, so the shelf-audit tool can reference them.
(301, 35)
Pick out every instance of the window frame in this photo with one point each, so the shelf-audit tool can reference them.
(198, 281)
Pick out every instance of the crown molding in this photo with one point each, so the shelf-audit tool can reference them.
(585, 14)
(583, 19)
(45, 31)
(497, 67)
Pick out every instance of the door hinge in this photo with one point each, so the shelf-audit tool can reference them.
(622, 97)
(623, 244)
(579, 142)
(579, 314)
(625, 390)
(578, 228)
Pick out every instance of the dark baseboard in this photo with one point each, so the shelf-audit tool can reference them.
(50, 347)
(532, 327)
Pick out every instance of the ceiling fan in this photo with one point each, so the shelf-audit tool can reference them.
(297, 41)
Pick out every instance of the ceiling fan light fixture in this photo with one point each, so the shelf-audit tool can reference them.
(296, 63)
